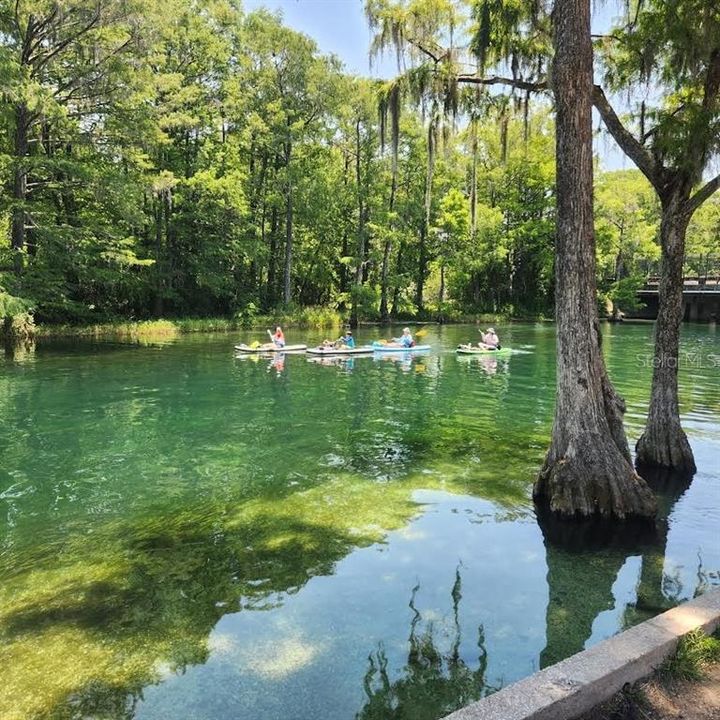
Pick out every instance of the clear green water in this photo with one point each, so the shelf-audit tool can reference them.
(184, 534)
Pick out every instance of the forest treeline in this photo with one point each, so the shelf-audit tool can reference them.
(186, 158)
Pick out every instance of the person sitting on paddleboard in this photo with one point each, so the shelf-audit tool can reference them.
(348, 340)
(490, 340)
(278, 338)
(406, 340)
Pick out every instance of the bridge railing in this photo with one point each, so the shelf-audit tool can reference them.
(695, 283)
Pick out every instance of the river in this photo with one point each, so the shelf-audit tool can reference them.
(187, 534)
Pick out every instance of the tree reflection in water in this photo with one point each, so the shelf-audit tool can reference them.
(432, 683)
(584, 559)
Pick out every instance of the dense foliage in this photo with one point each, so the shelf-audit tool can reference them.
(185, 158)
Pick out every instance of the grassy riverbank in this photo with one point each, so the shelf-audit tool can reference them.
(687, 686)
(167, 329)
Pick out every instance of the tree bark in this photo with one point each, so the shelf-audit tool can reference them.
(158, 302)
(664, 443)
(287, 287)
(587, 470)
(473, 187)
(395, 310)
(441, 293)
(384, 314)
(354, 315)
(422, 266)
(270, 290)
(19, 186)
(425, 229)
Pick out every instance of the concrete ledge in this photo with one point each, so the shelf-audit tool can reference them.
(579, 683)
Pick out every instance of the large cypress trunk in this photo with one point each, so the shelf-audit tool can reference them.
(587, 470)
(664, 443)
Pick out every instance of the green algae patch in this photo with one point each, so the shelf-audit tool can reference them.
(116, 610)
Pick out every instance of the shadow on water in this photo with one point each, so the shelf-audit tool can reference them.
(145, 597)
(433, 682)
(584, 559)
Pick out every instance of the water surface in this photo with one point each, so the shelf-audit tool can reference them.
(186, 534)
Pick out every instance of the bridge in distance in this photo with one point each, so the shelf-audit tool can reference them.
(701, 298)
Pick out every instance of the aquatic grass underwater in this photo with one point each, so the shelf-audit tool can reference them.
(273, 537)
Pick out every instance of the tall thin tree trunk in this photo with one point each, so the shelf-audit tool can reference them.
(287, 288)
(664, 443)
(473, 183)
(587, 469)
(270, 294)
(19, 186)
(354, 315)
(422, 267)
(384, 314)
(158, 305)
(395, 310)
(425, 229)
(342, 269)
(441, 293)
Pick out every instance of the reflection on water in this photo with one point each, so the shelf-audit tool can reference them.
(271, 537)
(434, 682)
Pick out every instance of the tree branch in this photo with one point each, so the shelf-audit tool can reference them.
(702, 195)
(40, 33)
(628, 143)
(434, 56)
(45, 59)
(654, 130)
(538, 86)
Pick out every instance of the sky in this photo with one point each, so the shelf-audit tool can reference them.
(340, 27)
(337, 26)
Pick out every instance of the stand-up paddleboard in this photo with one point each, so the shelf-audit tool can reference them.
(467, 350)
(270, 348)
(362, 350)
(382, 348)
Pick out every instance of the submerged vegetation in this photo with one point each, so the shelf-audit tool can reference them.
(160, 498)
(93, 626)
